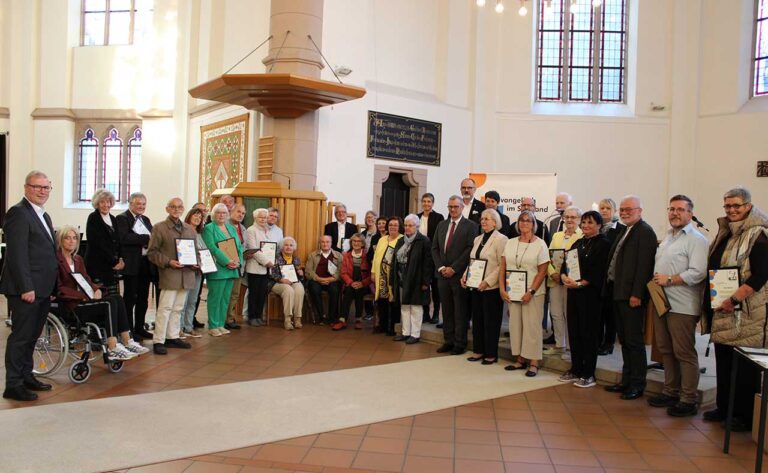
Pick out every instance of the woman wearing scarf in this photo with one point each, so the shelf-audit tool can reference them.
(411, 275)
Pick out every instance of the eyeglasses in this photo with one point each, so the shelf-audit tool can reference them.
(176, 207)
(625, 210)
(570, 217)
(677, 209)
(734, 206)
(454, 206)
(40, 188)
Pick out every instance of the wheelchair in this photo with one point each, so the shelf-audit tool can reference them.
(65, 336)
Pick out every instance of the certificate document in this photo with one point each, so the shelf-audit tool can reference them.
(345, 245)
(229, 248)
(557, 257)
(723, 283)
(82, 283)
(572, 264)
(186, 253)
(476, 272)
(289, 272)
(269, 250)
(332, 268)
(517, 285)
(207, 264)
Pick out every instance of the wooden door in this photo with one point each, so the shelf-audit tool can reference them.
(395, 195)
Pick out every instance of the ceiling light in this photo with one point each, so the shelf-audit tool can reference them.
(480, 3)
(522, 11)
(499, 6)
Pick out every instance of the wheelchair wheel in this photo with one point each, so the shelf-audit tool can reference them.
(115, 366)
(78, 342)
(79, 372)
(51, 347)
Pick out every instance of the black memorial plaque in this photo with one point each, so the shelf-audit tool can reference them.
(403, 139)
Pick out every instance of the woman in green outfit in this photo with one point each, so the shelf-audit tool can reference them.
(220, 283)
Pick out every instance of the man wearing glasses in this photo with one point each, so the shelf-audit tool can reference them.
(28, 280)
(472, 207)
(681, 266)
(630, 267)
(528, 203)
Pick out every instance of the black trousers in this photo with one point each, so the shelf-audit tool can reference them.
(109, 312)
(389, 315)
(455, 314)
(353, 295)
(257, 294)
(608, 322)
(315, 289)
(486, 322)
(584, 330)
(136, 295)
(747, 383)
(629, 327)
(28, 321)
(435, 301)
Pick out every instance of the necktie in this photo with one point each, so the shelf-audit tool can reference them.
(450, 236)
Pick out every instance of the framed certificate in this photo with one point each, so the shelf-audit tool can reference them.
(557, 257)
(289, 272)
(332, 268)
(207, 264)
(269, 250)
(517, 285)
(476, 272)
(82, 283)
(229, 248)
(389, 255)
(186, 253)
(723, 283)
(572, 264)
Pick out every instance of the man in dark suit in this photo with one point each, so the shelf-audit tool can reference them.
(472, 207)
(630, 267)
(340, 230)
(428, 220)
(562, 202)
(453, 241)
(28, 280)
(528, 203)
(492, 199)
(133, 229)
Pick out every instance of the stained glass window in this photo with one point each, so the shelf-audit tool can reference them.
(581, 51)
(761, 49)
(134, 162)
(86, 158)
(111, 163)
(113, 22)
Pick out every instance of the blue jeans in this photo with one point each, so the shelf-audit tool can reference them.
(188, 314)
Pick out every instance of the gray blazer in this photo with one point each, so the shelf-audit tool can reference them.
(457, 256)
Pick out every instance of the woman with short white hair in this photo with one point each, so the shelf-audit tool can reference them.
(102, 251)
(291, 293)
(257, 267)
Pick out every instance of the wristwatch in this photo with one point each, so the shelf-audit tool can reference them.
(734, 301)
(669, 280)
(578, 284)
(532, 291)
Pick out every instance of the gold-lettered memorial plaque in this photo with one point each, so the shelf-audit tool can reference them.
(403, 139)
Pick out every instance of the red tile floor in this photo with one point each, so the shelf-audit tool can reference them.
(561, 429)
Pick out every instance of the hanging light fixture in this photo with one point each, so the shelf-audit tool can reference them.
(522, 11)
(480, 3)
(499, 6)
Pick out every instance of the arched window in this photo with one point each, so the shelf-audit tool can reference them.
(111, 22)
(112, 163)
(86, 161)
(760, 64)
(134, 162)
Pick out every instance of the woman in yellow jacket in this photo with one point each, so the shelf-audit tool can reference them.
(387, 304)
(561, 242)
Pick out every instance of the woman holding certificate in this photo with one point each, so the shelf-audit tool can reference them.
(196, 219)
(78, 293)
(285, 282)
(561, 242)
(381, 272)
(260, 254)
(221, 239)
(584, 299)
(735, 311)
(525, 259)
(482, 279)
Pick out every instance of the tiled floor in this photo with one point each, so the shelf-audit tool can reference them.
(557, 430)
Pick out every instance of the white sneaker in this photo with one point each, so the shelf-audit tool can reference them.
(585, 382)
(223, 331)
(120, 353)
(136, 347)
(568, 377)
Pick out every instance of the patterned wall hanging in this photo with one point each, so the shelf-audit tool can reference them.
(223, 155)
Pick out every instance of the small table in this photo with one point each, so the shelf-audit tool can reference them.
(758, 357)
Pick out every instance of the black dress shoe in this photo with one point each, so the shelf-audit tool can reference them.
(445, 348)
(143, 334)
(632, 394)
(715, 415)
(682, 409)
(434, 320)
(19, 393)
(196, 324)
(439, 326)
(605, 350)
(231, 326)
(400, 338)
(662, 400)
(616, 388)
(33, 384)
(475, 358)
(411, 340)
(177, 343)
(458, 351)
(159, 349)
(489, 362)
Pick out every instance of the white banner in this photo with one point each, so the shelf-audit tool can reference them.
(513, 187)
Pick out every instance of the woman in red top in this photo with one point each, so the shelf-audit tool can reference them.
(356, 277)
(69, 294)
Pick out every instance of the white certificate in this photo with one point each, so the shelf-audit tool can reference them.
(345, 245)
(517, 285)
(186, 253)
(572, 264)
(207, 264)
(289, 272)
(332, 268)
(557, 257)
(269, 250)
(83, 284)
(476, 272)
(723, 283)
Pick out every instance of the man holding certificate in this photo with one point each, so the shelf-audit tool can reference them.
(737, 318)
(323, 271)
(630, 267)
(176, 278)
(681, 266)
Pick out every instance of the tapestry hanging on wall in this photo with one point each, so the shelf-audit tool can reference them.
(223, 155)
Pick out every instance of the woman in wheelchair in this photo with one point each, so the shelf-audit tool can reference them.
(94, 309)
